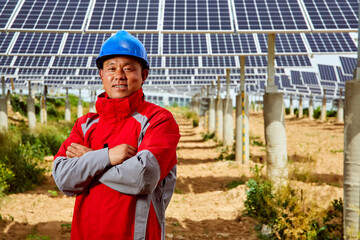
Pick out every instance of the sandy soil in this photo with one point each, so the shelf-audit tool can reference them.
(202, 206)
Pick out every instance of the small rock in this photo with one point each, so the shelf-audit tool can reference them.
(266, 230)
(170, 235)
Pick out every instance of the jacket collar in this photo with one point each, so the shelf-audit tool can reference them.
(119, 107)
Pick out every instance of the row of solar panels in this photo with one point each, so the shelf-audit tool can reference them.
(179, 15)
(70, 44)
(329, 78)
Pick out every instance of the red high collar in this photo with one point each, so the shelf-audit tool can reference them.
(119, 107)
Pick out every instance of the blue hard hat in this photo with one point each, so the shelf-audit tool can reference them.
(122, 43)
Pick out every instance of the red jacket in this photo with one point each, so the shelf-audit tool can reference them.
(126, 201)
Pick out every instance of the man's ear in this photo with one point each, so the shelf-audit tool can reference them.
(100, 73)
(145, 74)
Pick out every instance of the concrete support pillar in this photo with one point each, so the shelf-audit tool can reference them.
(242, 128)
(43, 111)
(219, 119)
(67, 107)
(275, 136)
(3, 108)
(92, 101)
(352, 159)
(311, 109)
(291, 106)
(212, 118)
(340, 112)
(31, 109)
(323, 108)
(80, 106)
(228, 114)
(301, 112)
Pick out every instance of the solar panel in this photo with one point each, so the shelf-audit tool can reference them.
(331, 42)
(269, 15)
(88, 72)
(184, 44)
(342, 77)
(5, 60)
(285, 43)
(5, 39)
(31, 71)
(84, 44)
(256, 61)
(181, 71)
(310, 78)
(126, 15)
(296, 78)
(293, 61)
(51, 14)
(70, 61)
(348, 64)
(327, 72)
(230, 43)
(37, 43)
(332, 14)
(285, 82)
(63, 72)
(211, 71)
(32, 61)
(150, 42)
(155, 62)
(181, 62)
(218, 62)
(6, 10)
(197, 15)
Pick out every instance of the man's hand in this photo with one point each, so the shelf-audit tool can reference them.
(76, 150)
(120, 153)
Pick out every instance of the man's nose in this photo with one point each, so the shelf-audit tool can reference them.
(120, 74)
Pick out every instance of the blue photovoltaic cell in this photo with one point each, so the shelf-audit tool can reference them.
(72, 82)
(197, 15)
(269, 15)
(333, 14)
(125, 14)
(5, 39)
(342, 77)
(348, 64)
(157, 72)
(284, 43)
(88, 72)
(213, 71)
(184, 44)
(5, 60)
(230, 43)
(293, 61)
(256, 61)
(310, 78)
(94, 82)
(150, 42)
(327, 72)
(70, 61)
(296, 78)
(182, 62)
(181, 71)
(57, 71)
(7, 71)
(6, 9)
(285, 81)
(330, 42)
(218, 62)
(37, 43)
(84, 43)
(31, 71)
(32, 61)
(327, 84)
(155, 62)
(51, 14)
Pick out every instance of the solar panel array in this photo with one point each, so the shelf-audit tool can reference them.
(184, 38)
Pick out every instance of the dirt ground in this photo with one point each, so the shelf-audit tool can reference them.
(203, 207)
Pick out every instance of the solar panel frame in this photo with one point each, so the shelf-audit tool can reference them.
(197, 16)
(38, 15)
(134, 16)
(348, 64)
(328, 15)
(265, 16)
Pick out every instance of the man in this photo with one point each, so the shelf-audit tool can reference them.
(120, 162)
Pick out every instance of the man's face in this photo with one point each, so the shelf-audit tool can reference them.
(122, 76)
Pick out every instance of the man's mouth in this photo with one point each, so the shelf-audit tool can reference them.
(119, 86)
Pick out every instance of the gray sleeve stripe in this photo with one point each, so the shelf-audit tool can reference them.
(141, 216)
(86, 126)
(144, 122)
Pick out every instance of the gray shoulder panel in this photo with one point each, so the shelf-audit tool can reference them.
(86, 126)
